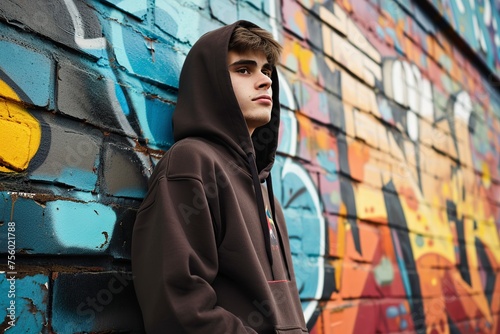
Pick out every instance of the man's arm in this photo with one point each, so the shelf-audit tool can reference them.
(174, 262)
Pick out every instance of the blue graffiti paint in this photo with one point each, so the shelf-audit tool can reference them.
(164, 19)
(419, 240)
(472, 18)
(146, 58)
(397, 312)
(223, 12)
(171, 15)
(392, 312)
(391, 7)
(328, 160)
(29, 70)
(402, 266)
(31, 296)
(308, 271)
(152, 60)
(31, 234)
(463, 21)
(58, 226)
(137, 8)
(159, 118)
(81, 225)
(120, 96)
(403, 324)
(81, 179)
(303, 213)
(288, 122)
(385, 109)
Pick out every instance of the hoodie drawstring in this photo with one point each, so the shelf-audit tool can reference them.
(261, 206)
(270, 193)
(262, 213)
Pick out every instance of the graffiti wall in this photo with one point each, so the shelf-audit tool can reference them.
(388, 168)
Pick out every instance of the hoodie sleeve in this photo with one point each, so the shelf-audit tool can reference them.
(174, 262)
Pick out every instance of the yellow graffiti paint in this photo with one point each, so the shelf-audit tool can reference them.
(21, 133)
(306, 60)
(486, 174)
(487, 232)
(434, 281)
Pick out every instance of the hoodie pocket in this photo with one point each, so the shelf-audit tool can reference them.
(290, 330)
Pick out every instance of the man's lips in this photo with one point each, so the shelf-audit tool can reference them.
(263, 98)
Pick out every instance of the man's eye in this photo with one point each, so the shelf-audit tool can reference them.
(243, 70)
(267, 73)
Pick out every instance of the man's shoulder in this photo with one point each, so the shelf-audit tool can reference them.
(191, 149)
(189, 157)
(193, 143)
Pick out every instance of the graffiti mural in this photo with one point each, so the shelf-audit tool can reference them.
(388, 168)
(390, 136)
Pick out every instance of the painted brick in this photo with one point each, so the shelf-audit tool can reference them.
(103, 301)
(289, 60)
(295, 228)
(366, 128)
(309, 271)
(340, 316)
(120, 243)
(329, 189)
(371, 250)
(224, 10)
(257, 4)
(394, 315)
(158, 128)
(358, 281)
(201, 4)
(30, 294)
(87, 96)
(81, 227)
(336, 236)
(313, 35)
(297, 18)
(145, 57)
(72, 158)
(123, 174)
(315, 142)
(28, 217)
(287, 138)
(165, 17)
(137, 9)
(183, 22)
(247, 11)
(20, 135)
(28, 73)
(272, 9)
(63, 22)
(390, 284)
(68, 227)
(63, 226)
(314, 103)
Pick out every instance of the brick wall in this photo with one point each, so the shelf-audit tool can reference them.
(388, 168)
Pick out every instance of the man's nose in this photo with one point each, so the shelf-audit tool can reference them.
(264, 81)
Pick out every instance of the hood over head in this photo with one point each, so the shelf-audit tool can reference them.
(207, 106)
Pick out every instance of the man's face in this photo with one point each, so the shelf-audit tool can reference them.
(251, 78)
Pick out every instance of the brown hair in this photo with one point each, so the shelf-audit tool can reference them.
(255, 38)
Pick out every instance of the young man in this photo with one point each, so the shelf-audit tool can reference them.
(210, 250)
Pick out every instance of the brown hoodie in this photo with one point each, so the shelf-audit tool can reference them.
(210, 251)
